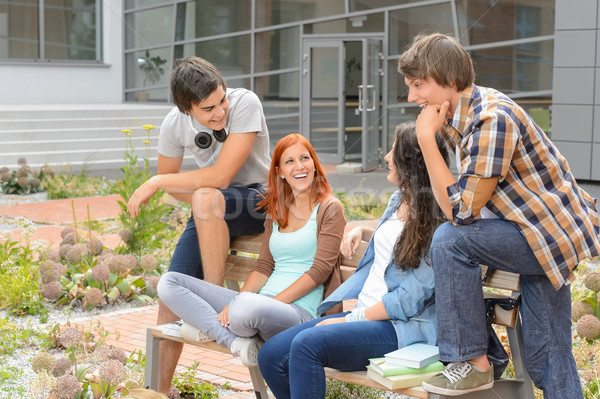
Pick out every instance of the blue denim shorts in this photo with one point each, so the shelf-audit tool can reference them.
(241, 216)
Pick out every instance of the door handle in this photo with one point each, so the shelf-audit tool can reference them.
(360, 98)
(373, 98)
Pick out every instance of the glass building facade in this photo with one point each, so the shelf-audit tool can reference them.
(326, 69)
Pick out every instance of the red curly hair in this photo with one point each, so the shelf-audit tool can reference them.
(278, 197)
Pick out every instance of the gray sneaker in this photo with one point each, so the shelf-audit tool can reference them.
(173, 329)
(247, 349)
(191, 333)
(460, 378)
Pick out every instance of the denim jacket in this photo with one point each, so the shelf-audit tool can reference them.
(410, 300)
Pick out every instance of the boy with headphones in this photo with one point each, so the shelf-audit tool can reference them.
(226, 131)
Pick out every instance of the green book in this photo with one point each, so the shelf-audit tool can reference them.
(387, 369)
(399, 381)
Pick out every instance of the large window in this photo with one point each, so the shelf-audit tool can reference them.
(407, 23)
(198, 18)
(519, 68)
(486, 21)
(69, 30)
(150, 27)
(277, 12)
(230, 55)
(277, 49)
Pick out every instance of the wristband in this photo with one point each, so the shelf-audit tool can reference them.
(356, 315)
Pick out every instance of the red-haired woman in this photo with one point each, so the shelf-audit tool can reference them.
(297, 266)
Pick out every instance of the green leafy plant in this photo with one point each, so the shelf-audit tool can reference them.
(586, 304)
(8, 374)
(344, 390)
(362, 205)
(152, 67)
(90, 274)
(189, 387)
(12, 337)
(24, 180)
(19, 291)
(62, 186)
(147, 231)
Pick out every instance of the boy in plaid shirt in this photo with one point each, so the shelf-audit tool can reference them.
(515, 207)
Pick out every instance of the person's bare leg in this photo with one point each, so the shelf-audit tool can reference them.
(169, 351)
(208, 206)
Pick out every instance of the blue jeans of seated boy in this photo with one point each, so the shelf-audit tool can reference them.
(292, 361)
(241, 217)
(456, 253)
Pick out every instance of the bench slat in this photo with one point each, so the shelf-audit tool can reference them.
(250, 244)
(360, 251)
(361, 378)
(238, 268)
(212, 345)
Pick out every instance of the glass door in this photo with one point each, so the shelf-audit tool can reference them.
(322, 90)
(370, 103)
(341, 99)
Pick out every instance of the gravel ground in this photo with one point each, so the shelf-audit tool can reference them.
(10, 199)
(21, 358)
(7, 224)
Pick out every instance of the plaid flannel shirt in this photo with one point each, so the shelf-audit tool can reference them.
(535, 190)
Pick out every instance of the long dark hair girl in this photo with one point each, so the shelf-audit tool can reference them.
(413, 180)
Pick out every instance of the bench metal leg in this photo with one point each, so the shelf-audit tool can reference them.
(260, 389)
(515, 339)
(151, 369)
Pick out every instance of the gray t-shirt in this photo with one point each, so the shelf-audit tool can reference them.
(245, 115)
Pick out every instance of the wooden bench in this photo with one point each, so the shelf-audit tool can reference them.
(240, 263)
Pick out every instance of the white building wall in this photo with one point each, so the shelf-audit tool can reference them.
(61, 83)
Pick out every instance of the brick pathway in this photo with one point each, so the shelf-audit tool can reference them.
(53, 215)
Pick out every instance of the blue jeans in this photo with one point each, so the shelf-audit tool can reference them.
(456, 253)
(292, 361)
(241, 217)
(199, 303)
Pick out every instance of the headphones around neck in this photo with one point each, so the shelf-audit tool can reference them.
(203, 139)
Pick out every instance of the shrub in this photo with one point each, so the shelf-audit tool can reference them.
(149, 228)
(24, 180)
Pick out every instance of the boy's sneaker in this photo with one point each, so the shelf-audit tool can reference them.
(460, 378)
(173, 329)
(247, 349)
(191, 333)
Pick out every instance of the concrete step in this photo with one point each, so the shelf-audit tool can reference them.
(86, 136)
(87, 144)
(50, 111)
(73, 134)
(119, 122)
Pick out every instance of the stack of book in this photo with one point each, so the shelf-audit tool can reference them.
(405, 367)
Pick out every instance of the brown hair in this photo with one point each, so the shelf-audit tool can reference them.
(440, 57)
(192, 81)
(413, 181)
(279, 196)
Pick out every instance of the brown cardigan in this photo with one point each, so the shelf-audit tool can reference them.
(326, 265)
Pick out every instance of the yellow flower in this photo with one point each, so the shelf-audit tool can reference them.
(126, 131)
(148, 127)
(146, 142)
